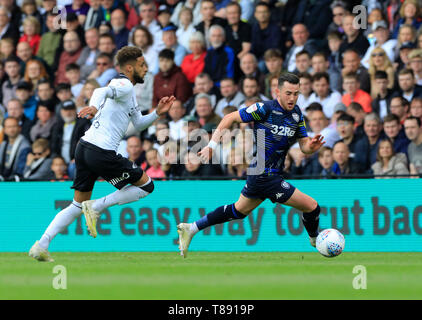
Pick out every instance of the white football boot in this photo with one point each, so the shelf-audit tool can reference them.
(185, 237)
(91, 217)
(39, 253)
(312, 240)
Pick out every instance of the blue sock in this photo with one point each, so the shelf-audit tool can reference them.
(311, 221)
(219, 215)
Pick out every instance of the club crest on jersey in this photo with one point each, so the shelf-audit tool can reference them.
(285, 185)
(295, 117)
(252, 108)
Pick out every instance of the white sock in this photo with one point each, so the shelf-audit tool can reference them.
(194, 228)
(63, 219)
(125, 195)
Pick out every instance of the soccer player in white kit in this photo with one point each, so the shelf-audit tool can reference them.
(111, 108)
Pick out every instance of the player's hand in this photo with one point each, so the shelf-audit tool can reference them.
(165, 104)
(316, 142)
(205, 154)
(87, 112)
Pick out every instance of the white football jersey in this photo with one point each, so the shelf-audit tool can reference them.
(115, 110)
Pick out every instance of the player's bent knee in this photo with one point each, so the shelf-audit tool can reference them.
(237, 213)
(242, 215)
(310, 205)
(314, 204)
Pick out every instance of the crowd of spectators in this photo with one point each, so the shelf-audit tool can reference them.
(360, 81)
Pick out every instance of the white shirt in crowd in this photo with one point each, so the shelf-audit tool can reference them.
(194, 5)
(328, 103)
(235, 102)
(144, 92)
(261, 96)
(155, 29)
(330, 137)
(91, 58)
(383, 108)
(291, 66)
(176, 129)
(303, 103)
(418, 80)
(183, 36)
(76, 89)
(389, 47)
(151, 58)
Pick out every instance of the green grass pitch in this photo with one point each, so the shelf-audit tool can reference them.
(205, 275)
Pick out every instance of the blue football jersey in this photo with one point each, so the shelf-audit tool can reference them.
(281, 128)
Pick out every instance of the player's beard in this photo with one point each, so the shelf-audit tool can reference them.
(137, 78)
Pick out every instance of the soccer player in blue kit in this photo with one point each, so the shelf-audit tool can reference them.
(282, 122)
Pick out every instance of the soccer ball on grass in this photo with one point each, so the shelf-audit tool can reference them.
(330, 243)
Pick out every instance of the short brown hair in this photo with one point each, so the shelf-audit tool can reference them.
(229, 109)
(303, 52)
(288, 77)
(351, 75)
(41, 143)
(355, 106)
(322, 150)
(321, 75)
(320, 54)
(128, 54)
(334, 35)
(407, 71)
(272, 53)
(235, 4)
(305, 75)
(391, 117)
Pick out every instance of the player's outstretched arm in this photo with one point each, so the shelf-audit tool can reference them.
(226, 123)
(87, 112)
(117, 89)
(310, 145)
(98, 96)
(141, 122)
(165, 104)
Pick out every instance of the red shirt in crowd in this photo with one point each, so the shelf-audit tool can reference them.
(34, 42)
(155, 172)
(65, 59)
(192, 67)
(361, 97)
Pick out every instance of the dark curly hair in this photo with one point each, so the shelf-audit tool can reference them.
(128, 54)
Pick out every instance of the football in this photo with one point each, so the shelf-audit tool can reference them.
(330, 243)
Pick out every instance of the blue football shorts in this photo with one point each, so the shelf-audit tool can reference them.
(272, 187)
